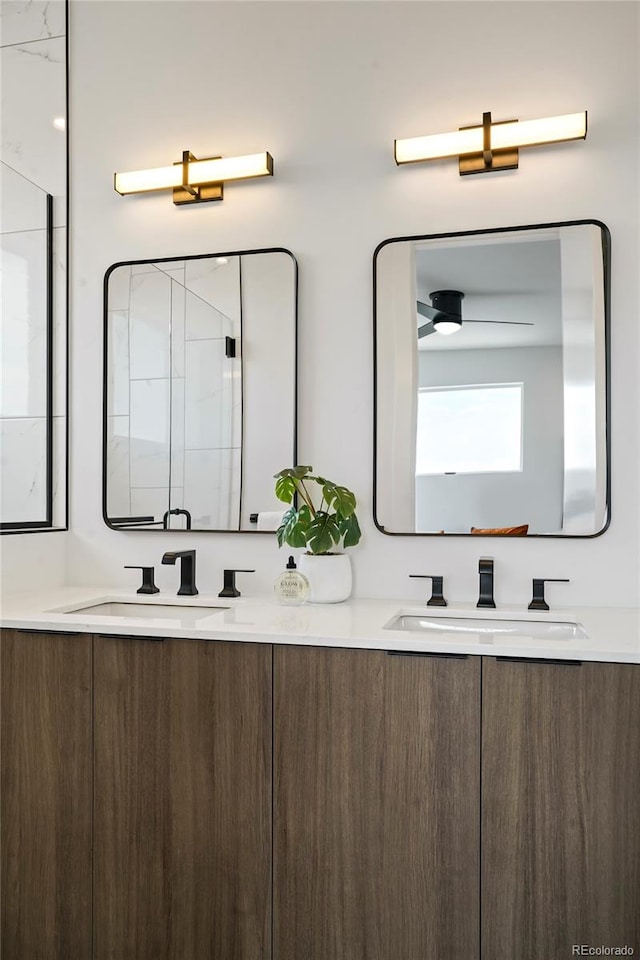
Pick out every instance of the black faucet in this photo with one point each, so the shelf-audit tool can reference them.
(187, 570)
(485, 569)
(178, 511)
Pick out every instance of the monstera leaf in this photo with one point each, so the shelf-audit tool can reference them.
(318, 526)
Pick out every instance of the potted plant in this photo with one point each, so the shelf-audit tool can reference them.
(322, 524)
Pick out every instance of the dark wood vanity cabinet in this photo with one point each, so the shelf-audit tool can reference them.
(45, 800)
(158, 796)
(560, 808)
(376, 819)
(182, 822)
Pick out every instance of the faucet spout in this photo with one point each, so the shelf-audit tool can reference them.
(485, 571)
(187, 570)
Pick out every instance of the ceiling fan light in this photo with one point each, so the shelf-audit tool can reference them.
(447, 327)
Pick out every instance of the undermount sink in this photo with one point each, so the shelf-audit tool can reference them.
(464, 627)
(147, 611)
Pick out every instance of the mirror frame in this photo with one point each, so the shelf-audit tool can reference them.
(105, 379)
(47, 525)
(606, 263)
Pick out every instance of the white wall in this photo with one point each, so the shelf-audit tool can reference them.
(325, 87)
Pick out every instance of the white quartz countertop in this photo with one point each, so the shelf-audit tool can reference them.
(612, 633)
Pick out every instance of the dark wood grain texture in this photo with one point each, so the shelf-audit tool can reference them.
(376, 806)
(45, 796)
(182, 800)
(561, 808)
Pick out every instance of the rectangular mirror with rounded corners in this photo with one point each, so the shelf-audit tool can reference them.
(491, 388)
(199, 390)
(34, 214)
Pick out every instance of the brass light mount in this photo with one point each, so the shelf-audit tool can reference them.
(187, 193)
(490, 159)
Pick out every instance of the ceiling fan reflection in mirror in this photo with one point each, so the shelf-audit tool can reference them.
(444, 314)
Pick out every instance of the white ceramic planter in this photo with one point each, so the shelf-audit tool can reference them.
(329, 576)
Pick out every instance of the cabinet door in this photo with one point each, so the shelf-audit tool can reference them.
(376, 806)
(46, 796)
(182, 800)
(561, 808)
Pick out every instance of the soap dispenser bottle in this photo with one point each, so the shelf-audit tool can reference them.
(291, 587)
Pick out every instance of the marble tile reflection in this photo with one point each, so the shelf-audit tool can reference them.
(208, 395)
(23, 258)
(24, 205)
(23, 462)
(178, 332)
(177, 432)
(202, 321)
(149, 426)
(59, 494)
(118, 385)
(149, 502)
(119, 288)
(22, 20)
(118, 462)
(32, 94)
(218, 284)
(150, 325)
(211, 488)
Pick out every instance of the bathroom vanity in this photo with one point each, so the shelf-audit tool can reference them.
(286, 783)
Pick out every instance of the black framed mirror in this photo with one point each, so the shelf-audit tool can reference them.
(34, 246)
(491, 395)
(200, 390)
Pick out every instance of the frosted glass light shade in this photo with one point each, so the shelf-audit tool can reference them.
(513, 134)
(199, 172)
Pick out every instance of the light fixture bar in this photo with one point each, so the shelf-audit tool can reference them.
(194, 180)
(486, 141)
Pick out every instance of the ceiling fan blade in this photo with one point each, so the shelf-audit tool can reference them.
(512, 323)
(426, 330)
(425, 310)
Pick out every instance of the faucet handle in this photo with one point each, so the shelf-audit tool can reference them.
(538, 602)
(437, 599)
(229, 588)
(148, 585)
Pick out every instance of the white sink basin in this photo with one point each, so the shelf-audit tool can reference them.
(465, 627)
(147, 611)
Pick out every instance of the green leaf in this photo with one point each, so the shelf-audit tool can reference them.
(286, 489)
(342, 500)
(323, 532)
(300, 472)
(350, 530)
(293, 529)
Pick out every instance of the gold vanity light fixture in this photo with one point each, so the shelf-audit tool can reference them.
(491, 145)
(193, 180)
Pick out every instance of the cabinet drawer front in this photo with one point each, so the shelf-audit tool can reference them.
(182, 800)
(561, 808)
(376, 806)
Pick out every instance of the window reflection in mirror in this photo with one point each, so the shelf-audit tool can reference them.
(491, 381)
(200, 385)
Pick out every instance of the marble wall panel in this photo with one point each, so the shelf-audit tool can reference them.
(23, 467)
